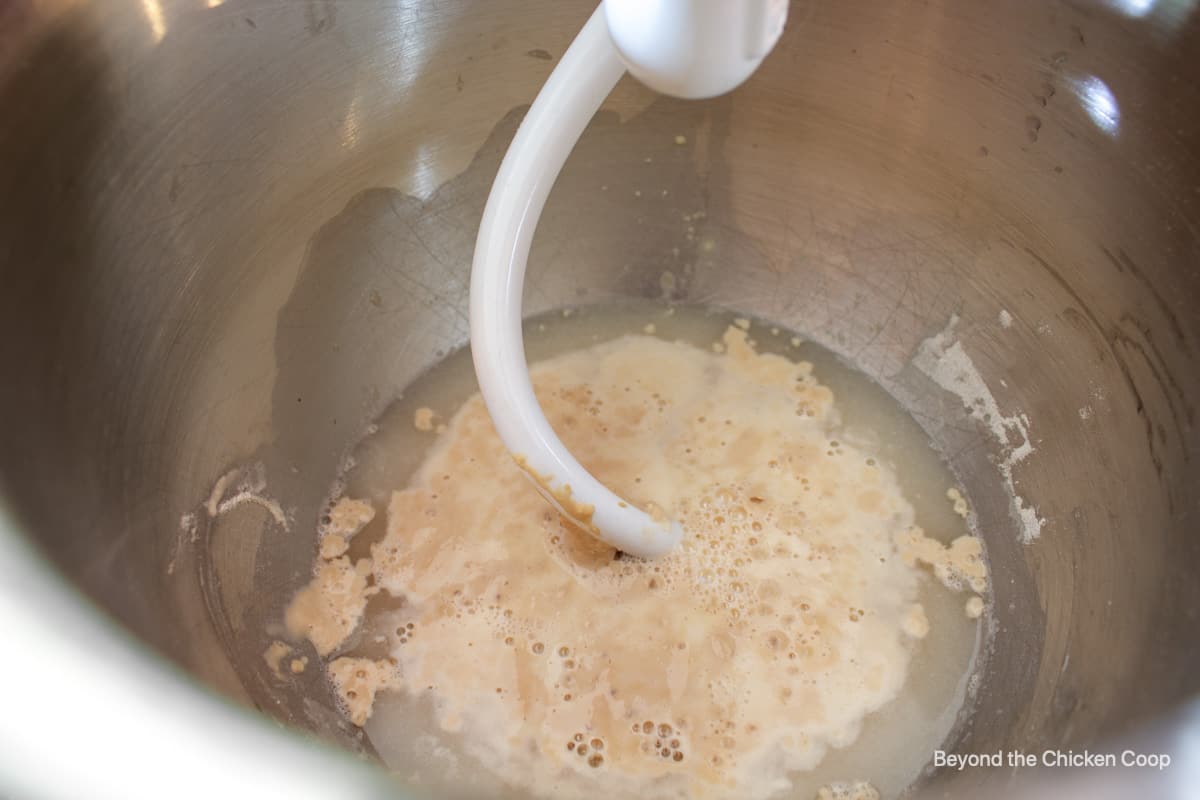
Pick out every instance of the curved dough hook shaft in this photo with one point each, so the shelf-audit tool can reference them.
(583, 78)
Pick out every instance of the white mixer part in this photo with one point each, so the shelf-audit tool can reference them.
(694, 48)
(723, 54)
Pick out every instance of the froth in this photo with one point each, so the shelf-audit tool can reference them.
(786, 617)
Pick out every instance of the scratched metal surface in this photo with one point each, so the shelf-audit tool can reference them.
(234, 231)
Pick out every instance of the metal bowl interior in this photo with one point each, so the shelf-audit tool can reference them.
(235, 231)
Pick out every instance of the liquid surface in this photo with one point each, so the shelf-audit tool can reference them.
(796, 640)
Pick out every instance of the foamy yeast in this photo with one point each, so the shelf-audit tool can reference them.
(567, 668)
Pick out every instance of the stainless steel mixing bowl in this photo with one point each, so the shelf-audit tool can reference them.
(233, 230)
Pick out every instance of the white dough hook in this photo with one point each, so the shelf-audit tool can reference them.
(687, 48)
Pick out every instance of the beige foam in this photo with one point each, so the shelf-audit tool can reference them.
(344, 520)
(959, 502)
(357, 680)
(274, 654)
(423, 419)
(566, 668)
(327, 610)
(958, 565)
